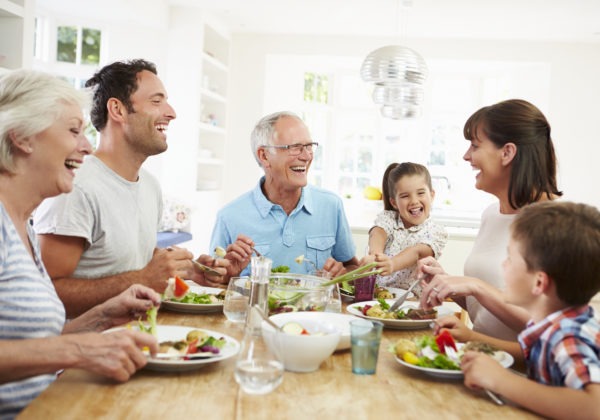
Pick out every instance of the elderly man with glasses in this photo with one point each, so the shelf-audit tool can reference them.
(283, 218)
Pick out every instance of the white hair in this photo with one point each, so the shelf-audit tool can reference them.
(264, 130)
(30, 102)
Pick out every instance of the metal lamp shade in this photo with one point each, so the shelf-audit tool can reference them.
(398, 73)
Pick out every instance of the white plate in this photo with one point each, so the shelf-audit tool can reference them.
(503, 357)
(176, 333)
(340, 321)
(195, 308)
(446, 308)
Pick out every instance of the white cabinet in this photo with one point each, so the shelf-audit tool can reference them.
(213, 109)
(16, 34)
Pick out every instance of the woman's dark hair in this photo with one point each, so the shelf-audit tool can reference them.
(117, 80)
(394, 172)
(533, 172)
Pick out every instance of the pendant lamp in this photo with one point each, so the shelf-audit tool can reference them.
(398, 74)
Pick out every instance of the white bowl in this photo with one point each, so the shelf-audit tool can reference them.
(340, 321)
(303, 353)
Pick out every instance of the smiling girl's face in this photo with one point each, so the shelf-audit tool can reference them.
(412, 199)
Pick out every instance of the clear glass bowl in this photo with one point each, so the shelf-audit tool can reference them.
(289, 292)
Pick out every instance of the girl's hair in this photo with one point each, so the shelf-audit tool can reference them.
(394, 172)
(533, 172)
(264, 130)
(30, 102)
(117, 80)
(562, 239)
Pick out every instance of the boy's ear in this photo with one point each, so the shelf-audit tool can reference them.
(542, 283)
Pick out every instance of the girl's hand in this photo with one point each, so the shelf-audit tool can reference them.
(367, 259)
(385, 264)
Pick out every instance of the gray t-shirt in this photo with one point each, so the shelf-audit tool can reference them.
(117, 218)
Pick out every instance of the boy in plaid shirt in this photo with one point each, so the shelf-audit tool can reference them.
(552, 270)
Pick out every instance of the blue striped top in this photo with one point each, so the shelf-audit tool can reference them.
(29, 308)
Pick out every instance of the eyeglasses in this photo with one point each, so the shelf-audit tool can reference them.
(295, 149)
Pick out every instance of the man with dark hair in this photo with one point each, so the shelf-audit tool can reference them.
(101, 238)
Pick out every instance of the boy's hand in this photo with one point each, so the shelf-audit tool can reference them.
(481, 371)
(459, 331)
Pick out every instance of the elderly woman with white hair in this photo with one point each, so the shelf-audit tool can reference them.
(41, 146)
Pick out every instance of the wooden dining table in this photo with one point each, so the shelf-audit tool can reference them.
(211, 392)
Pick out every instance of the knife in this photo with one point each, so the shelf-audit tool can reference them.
(402, 298)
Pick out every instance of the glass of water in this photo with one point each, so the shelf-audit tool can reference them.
(365, 337)
(237, 296)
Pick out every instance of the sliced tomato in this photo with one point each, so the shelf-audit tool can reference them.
(181, 288)
(192, 347)
(365, 309)
(444, 339)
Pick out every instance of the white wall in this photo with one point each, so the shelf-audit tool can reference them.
(572, 112)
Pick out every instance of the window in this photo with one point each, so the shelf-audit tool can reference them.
(357, 144)
(70, 49)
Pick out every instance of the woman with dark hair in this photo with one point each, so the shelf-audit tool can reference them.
(512, 150)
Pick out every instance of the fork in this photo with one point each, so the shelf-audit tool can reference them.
(453, 355)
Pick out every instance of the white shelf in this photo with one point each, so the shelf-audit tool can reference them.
(210, 60)
(211, 128)
(213, 95)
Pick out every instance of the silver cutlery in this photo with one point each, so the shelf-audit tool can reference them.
(206, 269)
(179, 356)
(402, 298)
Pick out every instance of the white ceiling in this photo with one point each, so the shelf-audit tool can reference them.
(556, 20)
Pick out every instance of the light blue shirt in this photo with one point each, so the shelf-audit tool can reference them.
(317, 228)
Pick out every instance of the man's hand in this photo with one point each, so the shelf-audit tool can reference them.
(209, 279)
(165, 263)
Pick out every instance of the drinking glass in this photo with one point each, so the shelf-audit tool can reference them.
(364, 288)
(335, 300)
(237, 295)
(365, 337)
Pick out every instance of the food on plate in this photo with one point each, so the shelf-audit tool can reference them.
(202, 298)
(383, 293)
(176, 289)
(379, 310)
(196, 341)
(430, 352)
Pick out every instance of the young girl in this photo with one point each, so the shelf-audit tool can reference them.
(403, 233)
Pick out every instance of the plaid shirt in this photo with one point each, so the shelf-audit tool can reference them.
(564, 348)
